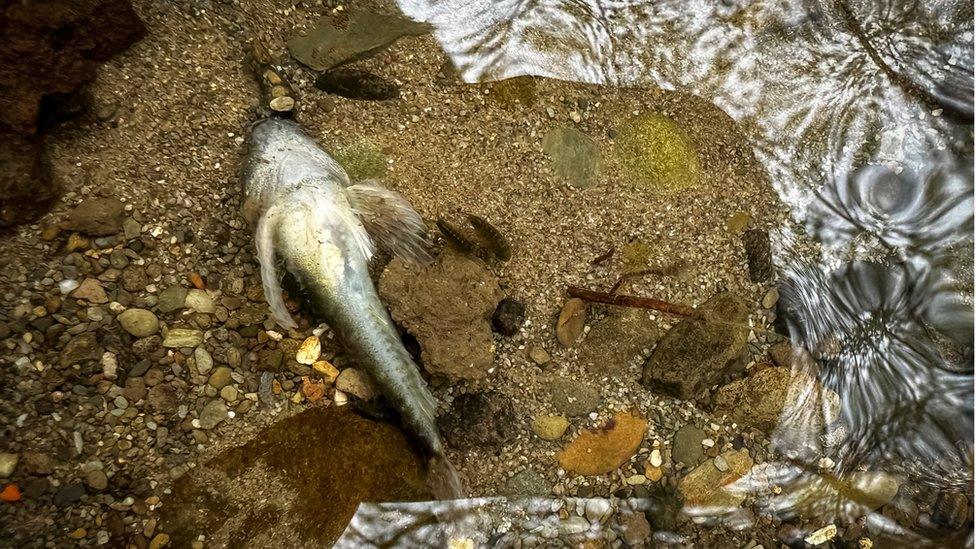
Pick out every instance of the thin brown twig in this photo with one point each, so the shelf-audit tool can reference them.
(633, 301)
(603, 257)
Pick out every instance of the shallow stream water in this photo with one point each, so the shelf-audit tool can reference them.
(861, 112)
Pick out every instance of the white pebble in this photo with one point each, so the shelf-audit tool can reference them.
(68, 285)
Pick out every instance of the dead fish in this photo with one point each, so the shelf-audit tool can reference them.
(306, 213)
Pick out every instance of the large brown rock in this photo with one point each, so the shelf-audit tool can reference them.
(696, 354)
(48, 50)
(759, 400)
(447, 306)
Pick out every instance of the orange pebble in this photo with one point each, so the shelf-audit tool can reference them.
(10, 493)
(196, 280)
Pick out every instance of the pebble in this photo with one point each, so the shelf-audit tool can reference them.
(212, 414)
(69, 494)
(171, 299)
(720, 463)
(203, 360)
(655, 458)
(91, 291)
(139, 322)
(8, 462)
(199, 301)
(770, 299)
(571, 321)
(229, 393)
(356, 383)
(183, 337)
(96, 480)
(539, 355)
(282, 104)
(309, 351)
(220, 378)
(550, 427)
(326, 370)
(67, 285)
(158, 542)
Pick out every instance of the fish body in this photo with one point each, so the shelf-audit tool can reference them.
(307, 214)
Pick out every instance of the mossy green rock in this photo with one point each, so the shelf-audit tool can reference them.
(657, 154)
(575, 157)
(361, 159)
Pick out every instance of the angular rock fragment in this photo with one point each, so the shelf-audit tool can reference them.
(696, 354)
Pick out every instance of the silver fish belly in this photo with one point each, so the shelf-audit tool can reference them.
(306, 212)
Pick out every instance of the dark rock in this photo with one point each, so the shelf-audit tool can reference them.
(81, 348)
(357, 84)
(696, 354)
(69, 493)
(134, 279)
(574, 398)
(759, 254)
(269, 360)
(96, 216)
(37, 463)
(686, 446)
(26, 189)
(47, 50)
(163, 399)
(508, 317)
(479, 419)
(36, 487)
(333, 473)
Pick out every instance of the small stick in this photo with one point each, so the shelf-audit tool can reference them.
(633, 301)
(605, 256)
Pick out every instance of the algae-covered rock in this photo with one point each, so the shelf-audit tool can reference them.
(281, 490)
(575, 157)
(511, 91)
(657, 153)
(362, 159)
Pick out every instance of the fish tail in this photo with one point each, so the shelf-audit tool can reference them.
(264, 241)
(443, 479)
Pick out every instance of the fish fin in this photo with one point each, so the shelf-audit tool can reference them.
(443, 479)
(392, 222)
(264, 241)
(321, 209)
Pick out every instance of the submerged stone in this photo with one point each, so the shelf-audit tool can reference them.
(296, 484)
(600, 451)
(696, 354)
(335, 40)
(657, 153)
(575, 157)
